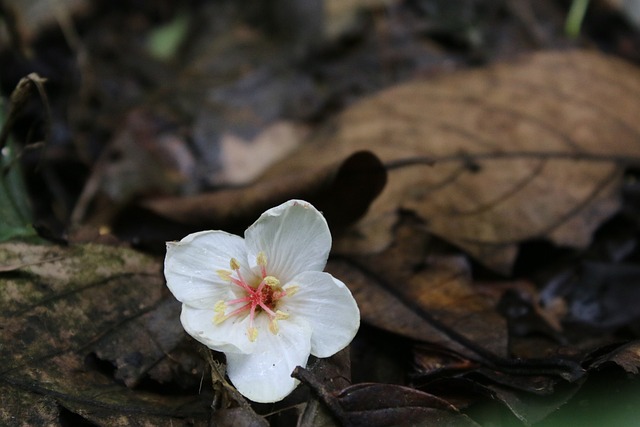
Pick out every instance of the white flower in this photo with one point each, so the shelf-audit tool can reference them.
(263, 300)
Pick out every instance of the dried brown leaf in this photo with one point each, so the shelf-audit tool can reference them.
(62, 306)
(491, 157)
(530, 408)
(426, 298)
(137, 346)
(389, 404)
(384, 404)
(334, 373)
(242, 161)
(239, 416)
(342, 192)
(626, 356)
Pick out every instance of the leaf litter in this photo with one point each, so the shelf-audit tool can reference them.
(434, 189)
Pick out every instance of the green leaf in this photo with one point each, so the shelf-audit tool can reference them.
(15, 212)
(164, 41)
(575, 17)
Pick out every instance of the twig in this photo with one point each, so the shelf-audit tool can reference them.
(564, 368)
(339, 414)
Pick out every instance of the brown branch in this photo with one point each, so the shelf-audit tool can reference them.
(331, 402)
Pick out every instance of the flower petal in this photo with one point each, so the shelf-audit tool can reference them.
(294, 236)
(229, 336)
(327, 304)
(265, 375)
(191, 266)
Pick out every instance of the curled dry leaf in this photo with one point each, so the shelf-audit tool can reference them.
(527, 406)
(491, 157)
(387, 404)
(242, 161)
(384, 405)
(342, 191)
(626, 356)
(531, 408)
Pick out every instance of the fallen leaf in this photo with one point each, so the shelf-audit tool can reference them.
(34, 17)
(237, 417)
(433, 300)
(27, 408)
(64, 305)
(527, 406)
(242, 161)
(532, 397)
(425, 298)
(334, 373)
(531, 408)
(479, 155)
(146, 157)
(598, 293)
(626, 356)
(342, 17)
(384, 404)
(388, 404)
(137, 346)
(343, 192)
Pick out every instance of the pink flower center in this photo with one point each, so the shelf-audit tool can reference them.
(261, 298)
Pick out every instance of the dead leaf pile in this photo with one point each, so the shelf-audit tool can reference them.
(462, 341)
(420, 184)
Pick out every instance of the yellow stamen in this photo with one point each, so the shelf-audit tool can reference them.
(281, 315)
(253, 333)
(273, 326)
(262, 259)
(219, 309)
(292, 290)
(224, 275)
(271, 281)
(234, 264)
